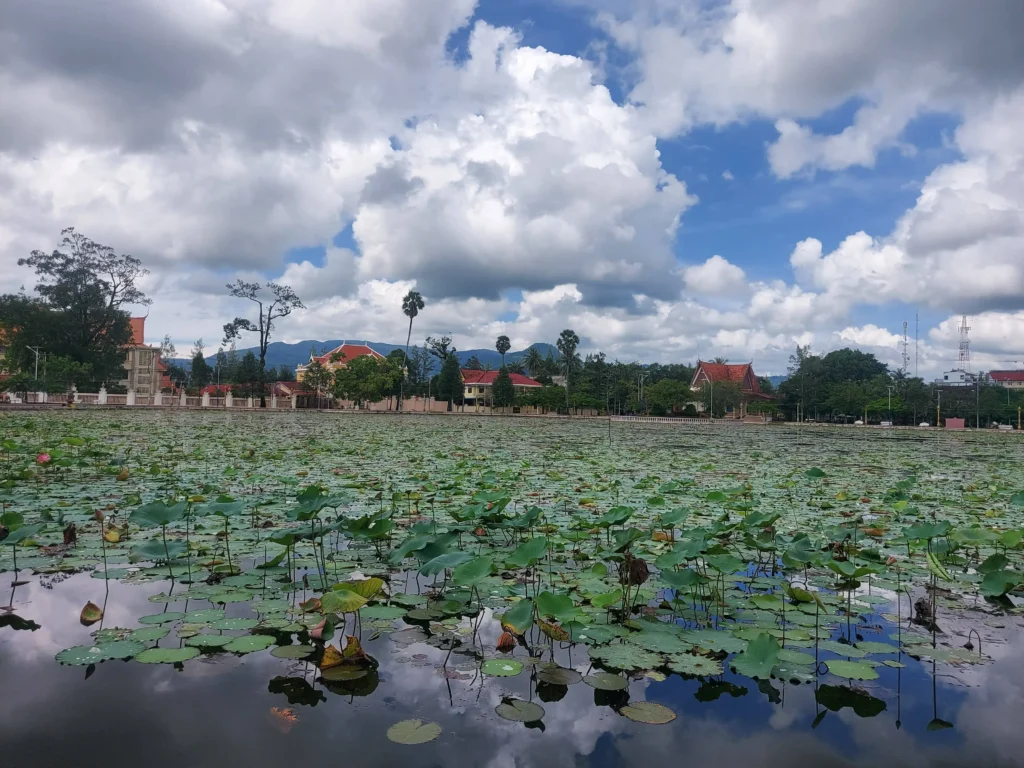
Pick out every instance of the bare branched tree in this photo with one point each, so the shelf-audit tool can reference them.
(280, 303)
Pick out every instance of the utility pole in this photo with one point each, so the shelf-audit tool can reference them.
(889, 387)
(36, 350)
(938, 410)
(711, 385)
(977, 402)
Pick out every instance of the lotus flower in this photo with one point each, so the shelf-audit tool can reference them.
(43, 458)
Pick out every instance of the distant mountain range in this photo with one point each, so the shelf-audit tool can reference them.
(279, 353)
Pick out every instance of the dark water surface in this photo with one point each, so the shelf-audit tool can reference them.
(218, 710)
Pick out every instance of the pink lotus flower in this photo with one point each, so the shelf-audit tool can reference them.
(43, 458)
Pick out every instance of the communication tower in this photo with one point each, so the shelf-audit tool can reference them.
(965, 346)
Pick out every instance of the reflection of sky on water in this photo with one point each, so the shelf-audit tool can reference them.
(217, 711)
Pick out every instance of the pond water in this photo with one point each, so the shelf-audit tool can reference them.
(251, 707)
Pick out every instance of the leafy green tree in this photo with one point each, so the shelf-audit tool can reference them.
(285, 373)
(249, 375)
(474, 364)
(85, 290)
(318, 378)
(274, 302)
(502, 392)
(412, 303)
(366, 379)
(503, 345)
(666, 395)
(201, 371)
(766, 385)
(62, 373)
(517, 366)
(449, 384)
(718, 397)
(419, 368)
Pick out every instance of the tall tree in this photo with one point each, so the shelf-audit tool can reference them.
(85, 292)
(412, 303)
(503, 345)
(201, 371)
(220, 367)
(503, 394)
(285, 373)
(440, 347)
(567, 343)
(474, 364)
(167, 349)
(280, 303)
(366, 379)
(449, 384)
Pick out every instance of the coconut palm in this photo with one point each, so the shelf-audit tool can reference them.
(503, 345)
(534, 361)
(411, 306)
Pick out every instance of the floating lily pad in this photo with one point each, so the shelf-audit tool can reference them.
(502, 667)
(292, 651)
(648, 712)
(205, 616)
(209, 641)
(162, 618)
(249, 643)
(855, 670)
(413, 732)
(606, 681)
(166, 655)
(149, 634)
(556, 675)
(519, 711)
(235, 623)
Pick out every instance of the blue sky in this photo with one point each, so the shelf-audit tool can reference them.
(673, 180)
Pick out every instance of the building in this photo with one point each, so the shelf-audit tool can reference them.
(741, 374)
(338, 357)
(145, 372)
(1008, 379)
(478, 385)
(956, 378)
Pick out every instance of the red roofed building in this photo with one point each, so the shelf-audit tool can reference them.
(338, 357)
(1008, 379)
(478, 385)
(740, 374)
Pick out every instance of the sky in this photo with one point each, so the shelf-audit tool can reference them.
(674, 179)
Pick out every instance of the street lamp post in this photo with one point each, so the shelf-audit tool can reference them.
(36, 350)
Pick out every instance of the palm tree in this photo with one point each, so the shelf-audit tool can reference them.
(566, 344)
(720, 360)
(411, 306)
(516, 366)
(503, 345)
(533, 360)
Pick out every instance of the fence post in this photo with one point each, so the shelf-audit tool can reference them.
(295, 402)
(228, 399)
(102, 397)
(130, 397)
(183, 400)
(206, 399)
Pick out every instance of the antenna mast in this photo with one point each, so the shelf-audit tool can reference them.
(965, 345)
(917, 329)
(906, 352)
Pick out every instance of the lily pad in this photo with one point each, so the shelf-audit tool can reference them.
(854, 670)
(606, 681)
(292, 651)
(519, 711)
(648, 712)
(162, 618)
(249, 643)
(166, 655)
(502, 667)
(413, 732)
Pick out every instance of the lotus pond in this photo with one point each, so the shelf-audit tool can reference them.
(201, 589)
